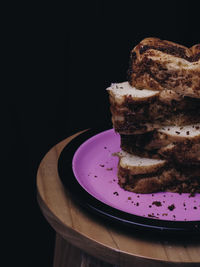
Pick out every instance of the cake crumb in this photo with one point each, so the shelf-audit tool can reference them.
(152, 216)
(171, 207)
(157, 203)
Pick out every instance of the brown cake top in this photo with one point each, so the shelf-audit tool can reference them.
(190, 54)
(157, 64)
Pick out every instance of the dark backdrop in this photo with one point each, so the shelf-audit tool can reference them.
(65, 59)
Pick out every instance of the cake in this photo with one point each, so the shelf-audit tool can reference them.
(141, 110)
(173, 143)
(157, 115)
(159, 64)
(147, 175)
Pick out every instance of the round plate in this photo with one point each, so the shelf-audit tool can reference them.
(88, 168)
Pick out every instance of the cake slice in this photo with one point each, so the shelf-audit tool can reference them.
(137, 111)
(145, 175)
(159, 64)
(179, 144)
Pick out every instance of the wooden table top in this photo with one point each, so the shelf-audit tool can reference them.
(100, 239)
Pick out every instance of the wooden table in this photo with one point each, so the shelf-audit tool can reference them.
(83, 240)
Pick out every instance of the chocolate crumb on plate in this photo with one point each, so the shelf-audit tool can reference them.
(152, 216)
(157, 203)
(171, 207)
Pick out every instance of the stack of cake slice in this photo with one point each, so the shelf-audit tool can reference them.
(157, 114)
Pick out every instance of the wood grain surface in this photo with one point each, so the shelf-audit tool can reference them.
(65, 254)
(100, 239)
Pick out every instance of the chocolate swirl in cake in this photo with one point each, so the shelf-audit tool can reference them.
(159, 64)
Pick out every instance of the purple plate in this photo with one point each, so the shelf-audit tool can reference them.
(94, 173)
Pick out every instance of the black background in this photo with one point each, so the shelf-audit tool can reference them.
(63, 58)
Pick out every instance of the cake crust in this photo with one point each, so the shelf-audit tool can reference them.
(157, 64)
